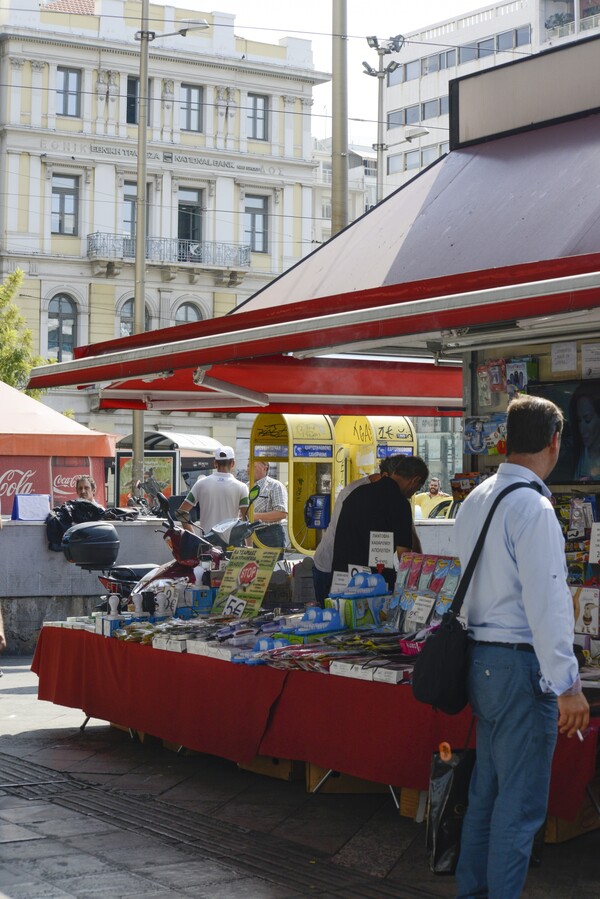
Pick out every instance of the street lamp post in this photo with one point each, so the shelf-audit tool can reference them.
(144, 36)
(391, 45)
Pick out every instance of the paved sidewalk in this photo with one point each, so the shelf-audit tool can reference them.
(96, 814)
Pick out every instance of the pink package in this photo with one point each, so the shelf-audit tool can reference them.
(439, 576)
(415, 570)
(403, 571)
(426, 573)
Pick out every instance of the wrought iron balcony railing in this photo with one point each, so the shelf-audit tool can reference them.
(170, 251)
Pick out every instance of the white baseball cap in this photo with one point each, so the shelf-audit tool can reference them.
(224, 453)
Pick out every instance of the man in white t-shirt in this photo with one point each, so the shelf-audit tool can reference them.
(220, 496)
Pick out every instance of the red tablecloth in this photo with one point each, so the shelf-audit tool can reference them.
(371, 730)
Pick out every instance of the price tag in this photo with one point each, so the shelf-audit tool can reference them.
(381, 549)
(234, 606)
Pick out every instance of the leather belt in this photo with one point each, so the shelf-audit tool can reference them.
(518, 647)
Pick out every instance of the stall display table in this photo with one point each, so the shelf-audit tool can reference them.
(371, 730)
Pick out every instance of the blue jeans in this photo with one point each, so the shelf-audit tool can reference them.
(508, 796)
(322, 582)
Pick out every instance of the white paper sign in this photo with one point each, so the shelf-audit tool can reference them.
(339, 582)
(590, 360)
(595, 543)
(564, 356)
(381, 549)
(420, 613)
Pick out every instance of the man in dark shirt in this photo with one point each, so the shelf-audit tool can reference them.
(381, 506)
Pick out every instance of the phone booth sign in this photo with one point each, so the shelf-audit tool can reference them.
(302, 447)
(362, 441)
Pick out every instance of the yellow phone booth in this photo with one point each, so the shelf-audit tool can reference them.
(302, 447)
(362, 441)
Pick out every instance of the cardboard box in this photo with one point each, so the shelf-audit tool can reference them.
(281, 769)
(392, 675)
(354, 612)
(339, 783)
(110, 625)
(170, 642)
(559, 831)
(212, 650)
(351, 669)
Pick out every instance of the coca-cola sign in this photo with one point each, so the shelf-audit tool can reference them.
(65, 471)
(25, 475)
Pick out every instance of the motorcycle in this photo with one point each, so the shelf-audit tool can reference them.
(94, 546)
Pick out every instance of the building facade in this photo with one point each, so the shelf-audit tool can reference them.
(230, 174)
(416, 94)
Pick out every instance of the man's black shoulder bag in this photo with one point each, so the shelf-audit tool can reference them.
(440, 673)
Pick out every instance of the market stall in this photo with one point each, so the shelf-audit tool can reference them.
(380, 733)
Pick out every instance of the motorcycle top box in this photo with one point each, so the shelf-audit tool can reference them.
(91, 545)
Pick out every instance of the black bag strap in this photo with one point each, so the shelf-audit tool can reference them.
(466, 578)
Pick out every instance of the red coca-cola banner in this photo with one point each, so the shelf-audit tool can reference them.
(40, 474)
(25, 474)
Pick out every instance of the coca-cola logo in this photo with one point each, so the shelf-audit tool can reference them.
(16, 480)
(63, 486)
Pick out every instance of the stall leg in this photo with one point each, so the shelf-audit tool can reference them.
(87, 718)
(394, 797)
(323, 780)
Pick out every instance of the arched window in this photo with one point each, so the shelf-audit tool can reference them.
(188, 312)
(126, 319)
(62, 327)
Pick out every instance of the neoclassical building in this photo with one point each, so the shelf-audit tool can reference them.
(230, 173)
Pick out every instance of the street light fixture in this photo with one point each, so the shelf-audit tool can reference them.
(144, 36)
(383, 47)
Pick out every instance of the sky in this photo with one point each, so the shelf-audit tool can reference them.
(266, 20)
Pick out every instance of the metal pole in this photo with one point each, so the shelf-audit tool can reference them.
(339, 118)
(380, 145)
(139, 300)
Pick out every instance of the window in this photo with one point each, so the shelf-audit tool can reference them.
(129, 217)
(467, 53)
(65, 197)
(395, 164)
(190, 108)
(412, 114)
(189, 225)
(430, 64)
(62, 327)
(412, 159)
(126, 318)
(68, 91)
(444, 105)
(431, 108)
(133, 99)
(370, 167)
(523, 36)
(256, 120)
(326, 209)
(327, 172)
(188, 312)
(396, 77)
(256, 227)
(395, 119)
(485, 48)
(429, 155)
(505, 40)
(445, 147)
(412, 70)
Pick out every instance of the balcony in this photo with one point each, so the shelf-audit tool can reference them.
(227, 261)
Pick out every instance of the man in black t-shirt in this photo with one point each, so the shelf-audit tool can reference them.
(381, 506)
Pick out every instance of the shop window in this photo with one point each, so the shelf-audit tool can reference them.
(62, 327)
(68, 92)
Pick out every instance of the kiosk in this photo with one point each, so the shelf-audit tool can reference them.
(302, 446)
(361, 441)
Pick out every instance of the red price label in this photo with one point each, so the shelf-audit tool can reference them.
(248, 573)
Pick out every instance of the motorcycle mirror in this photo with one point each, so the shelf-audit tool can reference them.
(253, 494)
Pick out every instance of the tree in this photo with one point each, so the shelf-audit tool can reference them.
(16, 343)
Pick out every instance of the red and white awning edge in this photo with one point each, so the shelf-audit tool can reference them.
(202, 369)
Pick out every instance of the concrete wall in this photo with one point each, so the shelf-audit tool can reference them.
(36, 584)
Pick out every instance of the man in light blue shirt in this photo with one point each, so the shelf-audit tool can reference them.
(523, 675)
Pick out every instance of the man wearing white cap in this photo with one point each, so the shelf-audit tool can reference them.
(220, 495)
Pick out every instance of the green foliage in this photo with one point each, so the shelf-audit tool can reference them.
(16, 343)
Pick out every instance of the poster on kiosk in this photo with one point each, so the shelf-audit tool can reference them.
(300, 450)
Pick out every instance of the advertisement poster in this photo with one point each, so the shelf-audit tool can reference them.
(486, 435)
(161, 474)
(245, 582)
